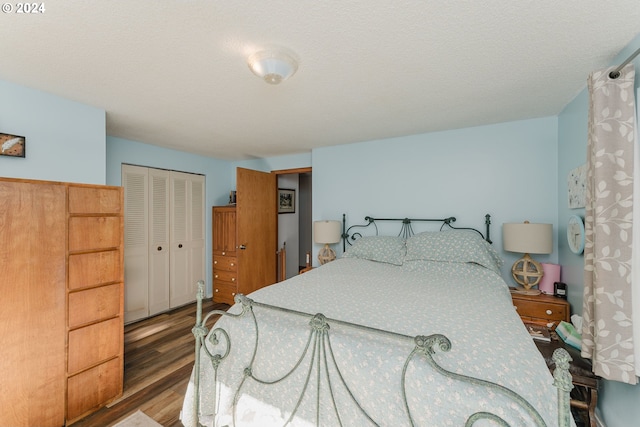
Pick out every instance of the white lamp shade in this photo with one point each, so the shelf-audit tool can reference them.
(527, 238)
(327, 232)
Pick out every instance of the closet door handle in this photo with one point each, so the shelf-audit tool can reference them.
(180, 246)
(159, 248)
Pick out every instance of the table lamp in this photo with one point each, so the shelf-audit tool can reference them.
(327, 233)
(527, 238)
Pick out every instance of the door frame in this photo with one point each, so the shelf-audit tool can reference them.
(293, 171)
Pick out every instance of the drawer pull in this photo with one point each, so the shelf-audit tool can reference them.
(216, 290)
(215, 262)
(216, 276)
(224, 253)
(232, 265)
(233, 293)
(549, 312)
(233, 279)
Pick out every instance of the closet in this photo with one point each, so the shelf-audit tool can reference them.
(244, 237)
(61, 311)
(164, 239)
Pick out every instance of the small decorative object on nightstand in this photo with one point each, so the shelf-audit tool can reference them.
(527, 238)
(327, 233)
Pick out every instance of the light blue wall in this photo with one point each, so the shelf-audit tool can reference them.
(507, 170)
(619, 404)
(217, 173)
(65, 140)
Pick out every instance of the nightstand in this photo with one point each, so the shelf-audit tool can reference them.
(541, 309)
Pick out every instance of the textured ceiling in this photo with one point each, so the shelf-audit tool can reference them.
(174, 73)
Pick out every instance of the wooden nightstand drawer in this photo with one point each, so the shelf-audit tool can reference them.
(541, 308)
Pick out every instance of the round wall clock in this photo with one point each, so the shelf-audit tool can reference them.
(575, 234)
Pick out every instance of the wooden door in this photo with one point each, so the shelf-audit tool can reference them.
(224, 231)
(256, 217)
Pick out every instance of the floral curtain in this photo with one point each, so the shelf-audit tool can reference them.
(607, 335)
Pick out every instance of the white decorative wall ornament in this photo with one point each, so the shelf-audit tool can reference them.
(577, 187)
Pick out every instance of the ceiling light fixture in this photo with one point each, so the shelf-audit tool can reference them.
(273, 66)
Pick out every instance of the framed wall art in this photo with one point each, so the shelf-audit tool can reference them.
(12, 145)
(577, 187)
(286, 200)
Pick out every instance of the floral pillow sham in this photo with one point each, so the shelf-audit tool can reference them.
(453, 246)
(387, 249)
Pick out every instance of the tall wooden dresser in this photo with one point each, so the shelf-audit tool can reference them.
(225, 260)
(95, 298)
(61, 310)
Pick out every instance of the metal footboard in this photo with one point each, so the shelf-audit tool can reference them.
(318, 349)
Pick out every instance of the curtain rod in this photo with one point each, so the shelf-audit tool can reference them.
(616, 73)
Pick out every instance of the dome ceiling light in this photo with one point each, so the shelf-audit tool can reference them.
(273, 66)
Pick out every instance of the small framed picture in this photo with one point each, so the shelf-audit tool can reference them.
(286, 200)
(12, 145)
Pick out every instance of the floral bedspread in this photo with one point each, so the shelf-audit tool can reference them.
(466, 302)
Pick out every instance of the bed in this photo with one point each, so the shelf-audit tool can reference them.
(413, 329)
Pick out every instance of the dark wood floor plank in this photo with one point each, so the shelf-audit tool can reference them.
(159, 355)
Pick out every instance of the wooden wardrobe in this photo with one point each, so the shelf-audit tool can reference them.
(225, 260)
(61, 309)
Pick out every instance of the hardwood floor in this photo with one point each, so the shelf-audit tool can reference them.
(158, 359)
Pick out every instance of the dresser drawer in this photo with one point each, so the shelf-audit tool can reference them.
(225, 276)
(98, 200)
(224, 292)
(225, 263)
(541, 310)
(93, 344)
(93, 388)
(87, 233)
(93, 305)
(92, 269)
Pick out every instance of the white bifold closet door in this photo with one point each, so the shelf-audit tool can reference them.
(164, 239)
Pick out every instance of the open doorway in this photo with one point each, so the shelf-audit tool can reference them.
(295, 225)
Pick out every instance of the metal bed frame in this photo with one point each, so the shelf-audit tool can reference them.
(406, 229)
(214, 345)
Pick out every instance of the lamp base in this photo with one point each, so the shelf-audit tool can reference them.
(523, 291)
(527, 272)
(326, 255)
